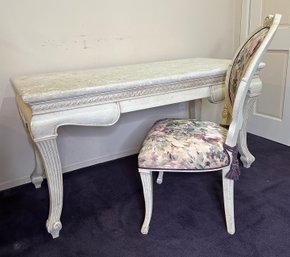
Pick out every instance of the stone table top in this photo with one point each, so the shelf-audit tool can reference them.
(72, 84)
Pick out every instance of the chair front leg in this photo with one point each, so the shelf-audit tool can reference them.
(228, 193)
(147, 183)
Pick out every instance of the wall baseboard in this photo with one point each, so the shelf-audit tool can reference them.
(75, 166)
(99, 159)
(14, 183)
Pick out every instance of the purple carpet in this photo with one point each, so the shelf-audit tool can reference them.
(103, 212)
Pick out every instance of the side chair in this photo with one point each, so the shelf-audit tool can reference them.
(188, 145)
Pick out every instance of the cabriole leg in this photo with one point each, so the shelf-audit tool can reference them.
(246, 157)
(38, 172)
(49, 152)
(147, 183)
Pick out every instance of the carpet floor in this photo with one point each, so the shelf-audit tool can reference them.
(104, 208)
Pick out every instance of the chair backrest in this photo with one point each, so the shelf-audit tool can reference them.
(241, 71)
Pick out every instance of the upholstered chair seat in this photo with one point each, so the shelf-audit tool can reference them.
(184, 144)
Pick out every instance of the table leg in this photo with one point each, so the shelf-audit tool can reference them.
(254, 91)
(195, 109)
(43, 130)
(38, 172)
(246, 157)
(49, 152)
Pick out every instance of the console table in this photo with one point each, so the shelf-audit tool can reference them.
(97, 97)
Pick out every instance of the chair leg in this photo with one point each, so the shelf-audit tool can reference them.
(147, 183)
(228, 193)
(160, 177)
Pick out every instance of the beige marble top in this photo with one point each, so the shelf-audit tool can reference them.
(71, 84)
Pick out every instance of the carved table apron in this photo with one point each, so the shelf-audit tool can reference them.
(97, 97)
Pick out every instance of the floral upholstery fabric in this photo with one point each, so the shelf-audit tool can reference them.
(238, 70)
(184, 144)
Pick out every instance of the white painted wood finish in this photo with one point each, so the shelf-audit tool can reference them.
(49, 152)
(98, 97)
(228, 195)
(147, 185)
(271, 117)
(240, 110)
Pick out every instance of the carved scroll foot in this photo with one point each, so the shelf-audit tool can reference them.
(48, 150)
(248, 160)
(54, 229)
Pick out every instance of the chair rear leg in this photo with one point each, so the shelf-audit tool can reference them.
(147, 183)
(228, 193)
(160, 177)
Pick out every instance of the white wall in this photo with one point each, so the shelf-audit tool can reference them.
(43, 36)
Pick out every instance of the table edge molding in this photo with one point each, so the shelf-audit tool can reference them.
(115, 96)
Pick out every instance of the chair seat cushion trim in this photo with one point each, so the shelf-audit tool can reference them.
(184, 144)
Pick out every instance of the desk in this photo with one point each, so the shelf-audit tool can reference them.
(97, 97)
